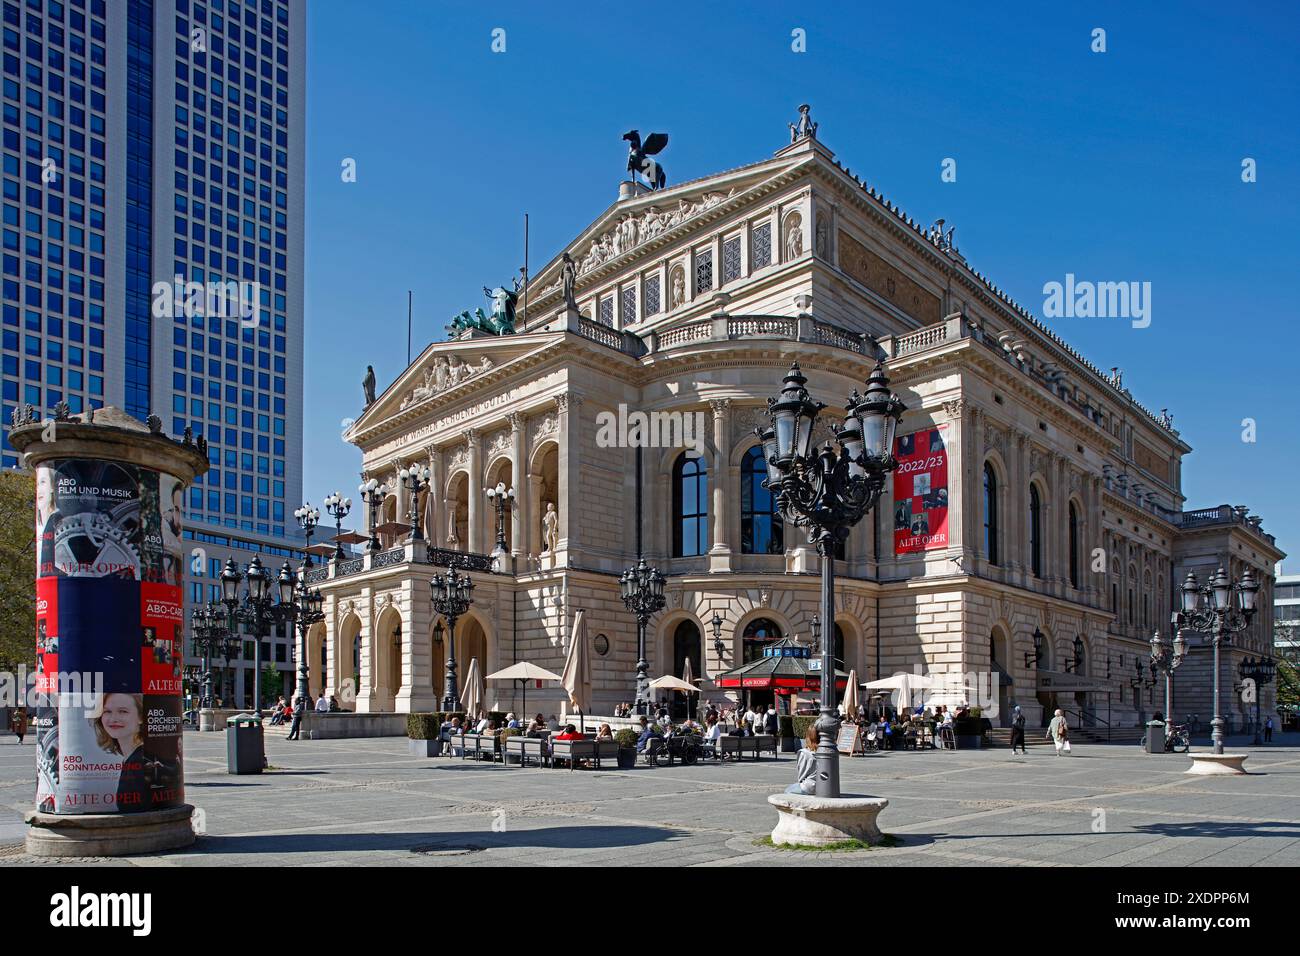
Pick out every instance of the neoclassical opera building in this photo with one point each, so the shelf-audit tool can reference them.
(1037, 532)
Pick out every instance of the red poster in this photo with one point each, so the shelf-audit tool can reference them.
(162, 626)
(921, 491)
(47, 635)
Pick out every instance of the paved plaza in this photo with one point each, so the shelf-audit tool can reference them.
(367, 802)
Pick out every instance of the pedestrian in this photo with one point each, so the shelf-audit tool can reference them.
(1268, 731)
(1058, 732)
(770, 722)
(1018, 730)
(322, 704)
(806, 769)
(295, 719)
(18, 723)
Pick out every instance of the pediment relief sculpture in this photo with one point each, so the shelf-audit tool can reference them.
(636, 228)
(442, 373)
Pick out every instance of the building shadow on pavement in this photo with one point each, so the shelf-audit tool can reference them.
(1288, 829)
(552, 838)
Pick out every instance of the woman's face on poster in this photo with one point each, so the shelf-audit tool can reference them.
(121, 720)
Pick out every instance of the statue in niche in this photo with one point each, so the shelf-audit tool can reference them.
(550, 529)
(453, 538)
(793, 237)
(679, 287)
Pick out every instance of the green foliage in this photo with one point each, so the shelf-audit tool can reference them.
(886, 840)
(1288, 683)
(427, 726)
(801, 723)
(508, 732)
(626, 738)
(272, 683)
(17, 570)
(785, 725)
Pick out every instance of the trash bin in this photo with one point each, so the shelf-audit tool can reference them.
(245, 751)
(1155, 742)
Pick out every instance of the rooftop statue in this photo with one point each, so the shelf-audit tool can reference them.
(500, 322)
(805, 128)
(638, 156)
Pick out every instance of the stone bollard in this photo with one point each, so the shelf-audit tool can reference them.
(110, 563)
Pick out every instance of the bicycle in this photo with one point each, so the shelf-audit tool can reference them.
(1179, 740)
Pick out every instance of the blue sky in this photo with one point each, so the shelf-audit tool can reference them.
(1123, 165)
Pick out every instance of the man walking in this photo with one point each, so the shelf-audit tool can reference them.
(296, 721)
(1018, 730)
(1268, 730)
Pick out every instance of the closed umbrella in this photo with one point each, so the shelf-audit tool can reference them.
(851, 696)
(471, 694)
(689, 678)
(577, 668)
(524, 671)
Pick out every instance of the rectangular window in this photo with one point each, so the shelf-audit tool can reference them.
(703, 271)
(651, 304)
(627, 306)
(606, 314)
(731, 260)
(760, 246)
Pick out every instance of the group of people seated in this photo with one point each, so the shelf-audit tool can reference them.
(282, 712)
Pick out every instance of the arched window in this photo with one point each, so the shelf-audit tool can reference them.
(1146, 599)
(686, 646)
(761, 530)
(1074, 546)
(1035, 531)
(990, 513)
(757, 633)
(690, 506)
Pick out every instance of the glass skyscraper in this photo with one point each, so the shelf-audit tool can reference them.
(150, 144)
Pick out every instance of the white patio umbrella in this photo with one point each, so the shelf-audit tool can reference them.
(524, 671)
(904, 685)
(577, 668)
(471, 694)
(669, 682)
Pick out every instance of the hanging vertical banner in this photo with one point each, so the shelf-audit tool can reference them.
(109, 625)
(921, 491)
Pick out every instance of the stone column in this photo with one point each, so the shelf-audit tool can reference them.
(1017, 501)
(110, 565)
(474, 487)
(959, 509)
(569, 405)
(434, 532)
(520, 513)
(722, 488)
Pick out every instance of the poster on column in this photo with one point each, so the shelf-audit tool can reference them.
(921, 491)
(109, 645)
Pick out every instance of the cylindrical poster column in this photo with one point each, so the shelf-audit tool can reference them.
(109, 571)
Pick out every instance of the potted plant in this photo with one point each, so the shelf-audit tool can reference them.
(423, 734)
(505, 734)
(626, 738)
(785, 729)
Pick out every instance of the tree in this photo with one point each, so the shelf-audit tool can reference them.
(1288, 683)
(17, 570)
(272, 683)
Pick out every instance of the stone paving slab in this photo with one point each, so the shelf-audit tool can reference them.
(368, 802)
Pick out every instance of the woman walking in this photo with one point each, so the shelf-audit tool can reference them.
(1018, 730)
(1058, 732)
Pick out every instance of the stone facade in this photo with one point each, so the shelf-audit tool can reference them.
(693, 301)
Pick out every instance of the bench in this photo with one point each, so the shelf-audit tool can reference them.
(474, 745)
(527, 748)
(737, 747)
(573, 751)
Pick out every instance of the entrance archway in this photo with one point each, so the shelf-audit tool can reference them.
(316, 672)
(347, 661)
(1046, 698)
(757, 634)
(686, 646)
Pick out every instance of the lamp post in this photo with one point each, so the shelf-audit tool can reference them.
(256, 611)
(503, 498)
(1168, 657)
(1074, 663)
(452, 596)
(643, 594)
(1033, 657)
(827, 493)
(338, 508)
(373, 493)
(1260, 670)
(1139, 681)
(308, 517)
(416, 480)
(718, 646)
(1221, 608)
(208, 624)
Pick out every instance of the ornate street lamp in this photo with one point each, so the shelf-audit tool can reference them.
(338, 508)
(1074, 663)
(452, 597)
(416, 480)
(718, 646)
(1262, 671)
(1167, 658)
(503, 498)
(1033, 657)
(827, 494)
(1221, 608)
(373, 493)
(208, 624)
(643, 594)
(300, 607)
(308, 517)
(257, 610)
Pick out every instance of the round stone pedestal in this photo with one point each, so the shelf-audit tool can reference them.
(108, 834)
(1217, 764)
(208, 720)
(806, 820)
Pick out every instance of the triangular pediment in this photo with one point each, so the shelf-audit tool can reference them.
(445, 371)
(639, 224)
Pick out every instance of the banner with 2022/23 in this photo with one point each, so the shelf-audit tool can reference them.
(921, 491)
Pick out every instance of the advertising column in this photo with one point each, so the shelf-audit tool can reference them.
(109, 566)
